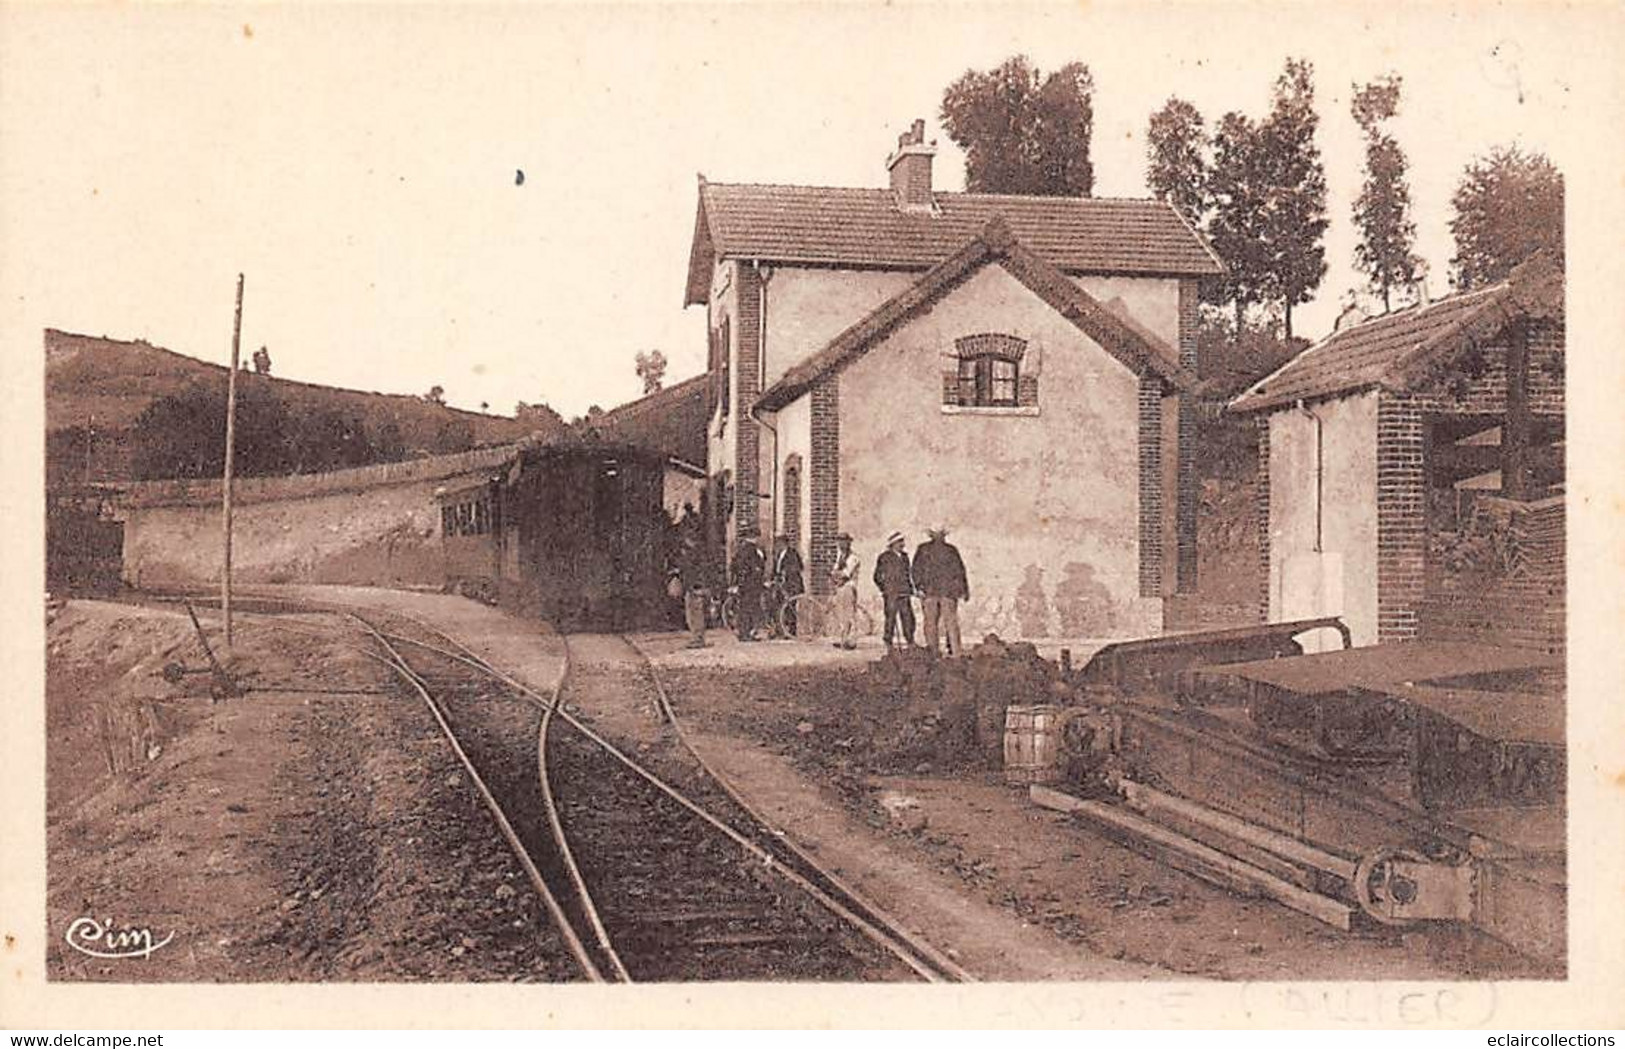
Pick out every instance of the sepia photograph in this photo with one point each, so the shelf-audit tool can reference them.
(801, 495)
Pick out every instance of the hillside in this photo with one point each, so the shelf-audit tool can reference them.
(97, 388)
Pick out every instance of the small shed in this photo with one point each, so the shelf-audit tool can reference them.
(1411, 471)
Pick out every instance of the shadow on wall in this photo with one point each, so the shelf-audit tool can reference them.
(1081, 606)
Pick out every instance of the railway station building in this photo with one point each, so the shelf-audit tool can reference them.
(1016, 369)
(1411, 471)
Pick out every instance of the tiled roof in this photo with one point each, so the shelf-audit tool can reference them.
(994, 244)
(866, 228)
(670, 421)
(1396, 351)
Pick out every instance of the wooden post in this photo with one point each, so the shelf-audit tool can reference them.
(225, 484)
(1515, 433)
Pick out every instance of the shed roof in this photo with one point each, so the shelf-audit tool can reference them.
(995, 244)
(864, 228)
(1399, 350)
(671, 421)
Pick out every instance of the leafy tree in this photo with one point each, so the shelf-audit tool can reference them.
(1237, 194)
(1508, 206)
(327, 439)
(436, 394)
(651, 368)
(389, 444)
(183, 435)
(539, 415)
(262, 361)
(1176, 166)
(1294, 182)
(1023, 132)
(1382, 211)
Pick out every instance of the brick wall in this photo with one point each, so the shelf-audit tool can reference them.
(824, 481)
(1261, 507)
(748, 379)
(1185, 510)
(1475, 382)
(1401, 515)
(1150, 486)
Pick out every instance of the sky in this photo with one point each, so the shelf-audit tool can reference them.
(359, 164)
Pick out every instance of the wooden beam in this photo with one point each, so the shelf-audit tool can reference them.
(1516, 433)
(1186, 854)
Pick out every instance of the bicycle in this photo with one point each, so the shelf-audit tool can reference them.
(814, 618)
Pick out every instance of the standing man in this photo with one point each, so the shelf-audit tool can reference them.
(787, 582)
(844, 602)
(750, 573)
(896, 585)
(939, 572)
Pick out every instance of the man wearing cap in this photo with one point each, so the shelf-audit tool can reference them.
(843, 603)
(896, 585)
(939, 573)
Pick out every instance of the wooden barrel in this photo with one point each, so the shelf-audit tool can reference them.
(1032, 743)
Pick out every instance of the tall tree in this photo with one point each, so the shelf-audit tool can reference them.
(1382, 213)
(1237, 194)
(651, 368)
(1295, 191)
(1508, 206)
(1176, 166)
(183, 434)
(1023, 132)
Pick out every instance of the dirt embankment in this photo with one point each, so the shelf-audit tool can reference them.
(315, 829)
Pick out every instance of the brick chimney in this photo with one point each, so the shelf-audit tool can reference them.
(910, 169)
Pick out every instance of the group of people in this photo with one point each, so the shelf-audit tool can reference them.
(936, 575)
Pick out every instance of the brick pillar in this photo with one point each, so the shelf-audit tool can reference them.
(1150, 486)
(747, 434)
(1190, 485)
(824, 482)
(1401, 516)
(1261, 505)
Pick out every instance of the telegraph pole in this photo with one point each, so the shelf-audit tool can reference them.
(225, 485)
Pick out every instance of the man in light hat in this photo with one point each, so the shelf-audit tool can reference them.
(843, 602)
(939, 573)
(896, 585)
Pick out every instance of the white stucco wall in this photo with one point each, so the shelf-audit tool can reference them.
(1153, 302)
(795, 438)
(806, 308)
(1340, 578)
(382, 536)
(1043, 507)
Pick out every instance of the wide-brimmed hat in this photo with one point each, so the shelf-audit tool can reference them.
(937, 532)
(895, 537)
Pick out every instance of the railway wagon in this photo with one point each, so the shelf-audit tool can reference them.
(576, 534)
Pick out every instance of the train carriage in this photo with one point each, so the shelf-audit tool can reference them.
(577, 534)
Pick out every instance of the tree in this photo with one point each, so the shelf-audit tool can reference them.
(327, 439)
(1023, 132)
(1382, 211)
(1294, 180)
(539, 416)
(262, 361)
(1508, 206)
(183, 434)
(1176, 166)
(436, 394)
(1237, 194)
(651, 368)
(454, 435)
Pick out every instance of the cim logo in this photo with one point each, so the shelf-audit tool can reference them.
(100, 939)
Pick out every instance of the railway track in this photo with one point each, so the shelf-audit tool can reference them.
(653, 869)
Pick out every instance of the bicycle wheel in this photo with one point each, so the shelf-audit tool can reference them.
(810, 615)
